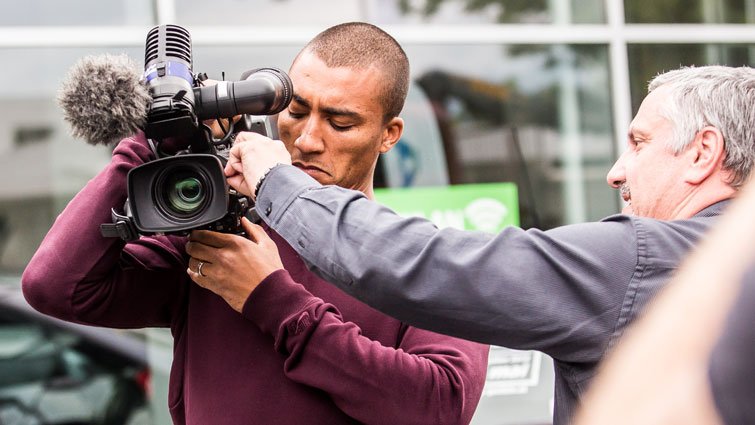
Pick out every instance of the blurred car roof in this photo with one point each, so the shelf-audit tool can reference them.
(126, 343)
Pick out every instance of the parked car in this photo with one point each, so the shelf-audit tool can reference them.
(58, 373)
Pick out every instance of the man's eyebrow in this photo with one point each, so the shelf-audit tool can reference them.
(333, 111)
(300, 100)
(328, 110)
(636, 132)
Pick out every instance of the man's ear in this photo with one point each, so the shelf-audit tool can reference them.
(707, 154)
(391, 133)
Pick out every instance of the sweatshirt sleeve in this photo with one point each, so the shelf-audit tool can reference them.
(78, 275)
(428, 378)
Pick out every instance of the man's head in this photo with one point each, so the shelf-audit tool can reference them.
(691, 144)
(350, 84)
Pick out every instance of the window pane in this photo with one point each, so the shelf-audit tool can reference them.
(269, 12)
(41, 165)
(78, 12)
(388, 12)
(233, 61)
(689, 11)
(535, 115)
(647, 60)
(453, 12)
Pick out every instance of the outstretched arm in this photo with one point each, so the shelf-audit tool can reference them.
(472, 285)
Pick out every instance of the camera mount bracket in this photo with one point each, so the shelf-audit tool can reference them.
(122, 227)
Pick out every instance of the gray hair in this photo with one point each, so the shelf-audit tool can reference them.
(718, 96)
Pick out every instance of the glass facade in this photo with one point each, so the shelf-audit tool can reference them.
(690, 12)
(391, 12)
(538, 93)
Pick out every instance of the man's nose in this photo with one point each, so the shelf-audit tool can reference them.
(310, 139)
(616, 175)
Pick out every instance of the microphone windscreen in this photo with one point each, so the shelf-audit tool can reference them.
(104, 98)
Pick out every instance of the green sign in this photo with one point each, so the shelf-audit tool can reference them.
(488, 207)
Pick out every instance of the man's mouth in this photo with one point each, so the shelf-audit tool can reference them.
(308, 168)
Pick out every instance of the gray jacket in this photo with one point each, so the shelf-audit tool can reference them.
(568, 292)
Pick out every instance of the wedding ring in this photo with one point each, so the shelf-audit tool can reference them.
(199, 268)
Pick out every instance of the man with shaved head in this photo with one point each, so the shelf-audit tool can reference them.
(297, 350)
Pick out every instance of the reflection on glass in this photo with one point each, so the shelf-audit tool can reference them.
(535, 115)
(689, 11)
(648, 60)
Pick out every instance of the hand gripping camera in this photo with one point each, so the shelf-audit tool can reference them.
(185, 188)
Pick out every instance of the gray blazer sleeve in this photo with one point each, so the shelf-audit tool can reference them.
(558, 291)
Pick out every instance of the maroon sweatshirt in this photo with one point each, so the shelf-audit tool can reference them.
(302, 351)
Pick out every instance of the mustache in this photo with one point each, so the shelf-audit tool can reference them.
(624, 190)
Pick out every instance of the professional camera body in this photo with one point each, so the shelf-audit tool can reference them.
(185, 187)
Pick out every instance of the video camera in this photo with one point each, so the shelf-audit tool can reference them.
(185, 187)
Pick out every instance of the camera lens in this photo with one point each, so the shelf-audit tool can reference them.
(186, 194)
(183, 193)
